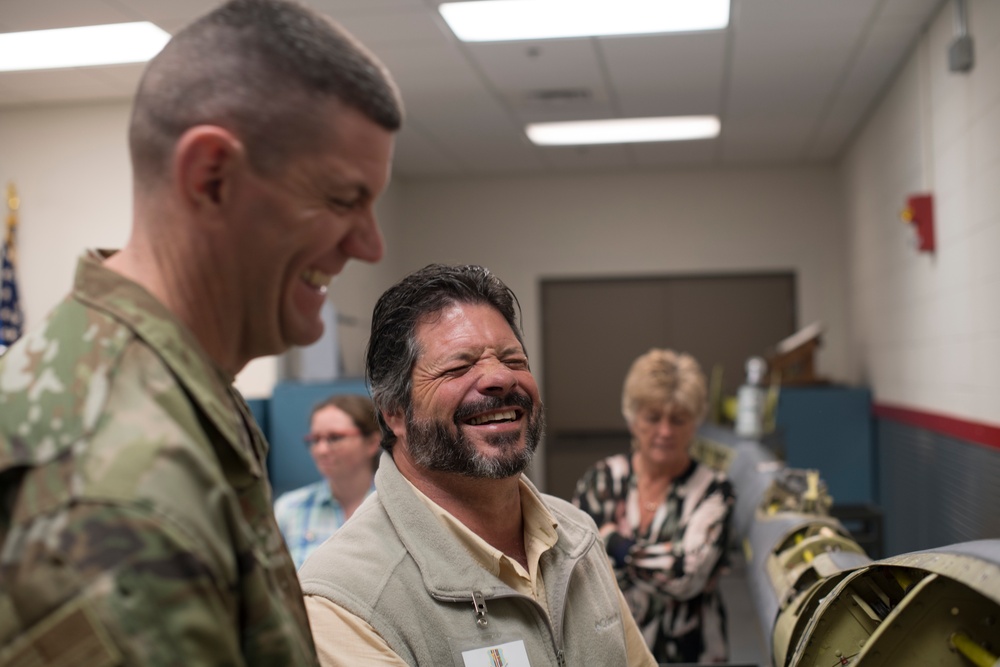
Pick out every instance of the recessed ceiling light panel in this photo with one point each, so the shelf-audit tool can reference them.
(81, 47)
(623, 130)
(499, 20)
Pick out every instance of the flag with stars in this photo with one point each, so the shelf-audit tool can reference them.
(11, 318)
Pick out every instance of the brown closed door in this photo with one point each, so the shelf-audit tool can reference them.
(592, 330)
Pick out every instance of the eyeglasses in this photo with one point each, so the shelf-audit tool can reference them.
(314, 439)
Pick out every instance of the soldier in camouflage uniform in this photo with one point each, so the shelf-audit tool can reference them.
(135, 514)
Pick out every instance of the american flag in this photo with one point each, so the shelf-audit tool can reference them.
(11, 318)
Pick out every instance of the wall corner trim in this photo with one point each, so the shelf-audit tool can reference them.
(978, 433)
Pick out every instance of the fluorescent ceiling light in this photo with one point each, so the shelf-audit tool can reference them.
(496, 20)
(80, 47)
(623, 130)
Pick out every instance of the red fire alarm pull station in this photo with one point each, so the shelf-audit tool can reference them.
(919, 212)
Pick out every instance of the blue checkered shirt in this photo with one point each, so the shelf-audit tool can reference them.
(307, 517)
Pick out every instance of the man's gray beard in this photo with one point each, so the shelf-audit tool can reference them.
(441, 446)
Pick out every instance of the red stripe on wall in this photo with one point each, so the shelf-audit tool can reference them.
(963, 429)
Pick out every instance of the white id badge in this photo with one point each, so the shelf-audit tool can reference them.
(511, 654)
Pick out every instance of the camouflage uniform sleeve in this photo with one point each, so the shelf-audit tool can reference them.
(140, 532)
(107, 584)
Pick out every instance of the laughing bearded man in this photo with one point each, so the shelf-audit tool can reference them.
(458, 559)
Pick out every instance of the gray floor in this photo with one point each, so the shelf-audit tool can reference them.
(746, 643)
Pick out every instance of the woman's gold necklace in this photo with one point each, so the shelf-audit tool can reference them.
(650, 505)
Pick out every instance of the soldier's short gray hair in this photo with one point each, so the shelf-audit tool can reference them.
(261, 69)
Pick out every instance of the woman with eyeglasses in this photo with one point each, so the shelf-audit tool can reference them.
(344, 442)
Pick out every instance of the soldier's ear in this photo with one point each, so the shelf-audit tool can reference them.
(207, 160)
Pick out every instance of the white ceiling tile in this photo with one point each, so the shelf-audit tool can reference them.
(666, 74)
(453, 127)
(472, 128)
(799, 69)
(786, 72)
(335, 6)
(123, 78)
(838, 125)
(755, 100)
(537, 111)
(776, 15)
(800, 75)
(415, 153)
(407, 168)
(478, 134)
(669, 102)
(770, 155)
(504, 160)
(879, 58)
(497, 152)
(519, 68)
(831, 140)
(586, 158)
(790, 56)
(919, 10)
(674, 153)
(16, 15)
(173, 26)
(805, 50)
(429, 69)
(886, 45)
(397, 27)
(825, 153)
(770, 138)
(984, 19)
(175, 12)
(461, 110)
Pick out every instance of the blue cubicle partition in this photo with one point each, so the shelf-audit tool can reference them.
(830, 428)
(287, 423)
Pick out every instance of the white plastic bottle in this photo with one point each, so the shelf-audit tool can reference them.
(750, 400)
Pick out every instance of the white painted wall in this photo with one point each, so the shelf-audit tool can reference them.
(71, 165)
(356, 290)
(641, 224)
(926, 328)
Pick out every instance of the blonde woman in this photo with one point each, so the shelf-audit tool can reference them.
(663, 515)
